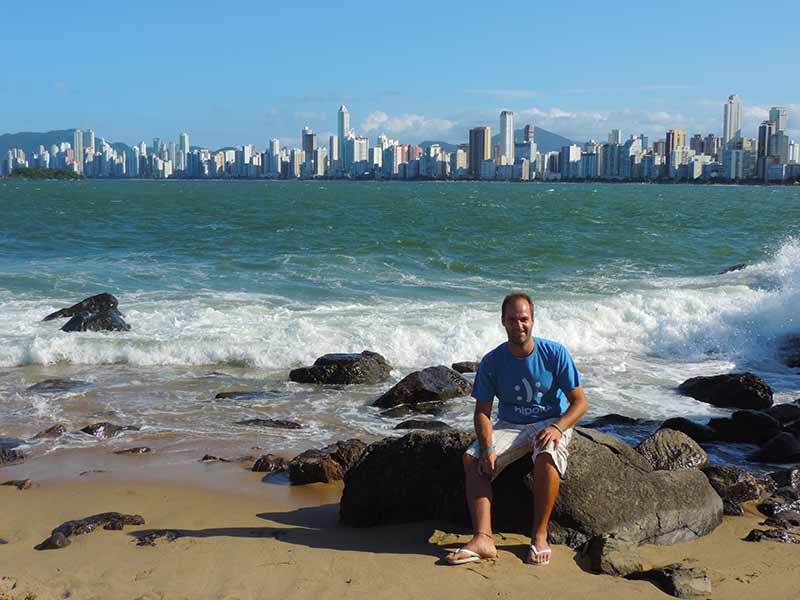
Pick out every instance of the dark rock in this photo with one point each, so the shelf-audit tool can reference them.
(790, 350)
(610, 556)
(733, 390)
(731, 509)
(20, 484)
(422, 424)
(746, 427)
(772, 535)
(269, 463)
(420, 477)
(786, 520)
(677, 580)
(212, 458)
(610, 420)
(738, 267)
(60, 536)
(137, 450)
(57, 386)
(275, 423)
(783, 448)
(434, 409)
(787, 478)
(92, 472)
(434, 384)
(9, 443)
(734, 485)
(793, 427)
(775, 507)
(785, 413)
(100, 303)
(344, 369)
(701, 434)
(325, 465)
(246, 395)
(96, 321)
(51, 432)
(9, 456)
(670, 450)
(148, 538)
(467, 366)
(103, 431)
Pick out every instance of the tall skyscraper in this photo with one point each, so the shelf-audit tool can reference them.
(507, 136)
(777, 114)
(676, 138)
(343, 121)
(765, 132)
(333, 152)
(309, 139)
(732, 121)
(480, 148)
(89, 138)
(615, 136)
(529, 134)
(77, 145)
(275, 156)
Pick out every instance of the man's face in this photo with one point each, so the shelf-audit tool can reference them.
(518, 321)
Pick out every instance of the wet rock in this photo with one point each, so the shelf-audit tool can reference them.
(149, 538)
(212, 458)
(610, 556)
(790, 350)
(434, 384)
(60, 536)
(270, 463)
(772, 535)
(786, 520)
(746, 427)
(420, 477)
(731, 509)
(96, 321)
(775, 507)
(345, 369)
(670, 450)
(427, 408)
(783, 448)
(20, 484)
(787, 478)
(57, 386)
(678, 580)
(785, 413)
(274, 423)
(699, 433)
(51, 432)
(325, 465)
(733, 390)
(422, 424)
(92, 472)
(738, 267)
(103, 431)
(734, 486)
(467, 366)
(9, 456)
(136, 450)
(611, 419)
(104, 302)
(246, 395)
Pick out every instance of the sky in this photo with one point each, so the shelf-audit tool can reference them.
(242, 73)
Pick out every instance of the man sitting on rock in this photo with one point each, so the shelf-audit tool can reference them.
(540, 399)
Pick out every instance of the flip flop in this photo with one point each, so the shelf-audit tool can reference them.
(546, 554)
(471, 557)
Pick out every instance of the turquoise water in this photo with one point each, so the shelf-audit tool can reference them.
(254, 278)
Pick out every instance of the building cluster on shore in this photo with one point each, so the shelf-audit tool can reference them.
(770, 157)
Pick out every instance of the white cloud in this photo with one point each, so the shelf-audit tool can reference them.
(418, 126)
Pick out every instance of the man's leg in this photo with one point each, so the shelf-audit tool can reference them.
(479, 499)
(546, 482)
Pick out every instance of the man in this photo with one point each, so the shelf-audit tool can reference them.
(540, 399)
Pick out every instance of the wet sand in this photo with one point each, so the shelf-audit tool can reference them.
(243, 538)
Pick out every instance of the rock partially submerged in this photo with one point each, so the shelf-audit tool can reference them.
(269, 464)
(422, 424)
(97, 313)
(274, 423)
(431, 385)
(746, 427)
(103, 431)
(51, 432)
(420, 477)
(733, 390)
(344, 369)
(325, 465)
(136, 450)
(246, 395)
(60, 536)
(9, 456)
(57, 386)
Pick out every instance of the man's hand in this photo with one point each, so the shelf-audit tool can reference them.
(486, 463)
(547, 435)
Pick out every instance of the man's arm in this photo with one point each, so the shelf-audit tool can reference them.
(484, 430)
(577, 407)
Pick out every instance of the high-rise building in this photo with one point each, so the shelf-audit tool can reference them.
(89, 139)
(765, 142)
(182, 159)
(676, 139)
(507, 136)
(529, 134)
(615, 136)
(732, 121)
(777, 114)
(480, 148)
(343, 122)
(309, 139)
(77, 145)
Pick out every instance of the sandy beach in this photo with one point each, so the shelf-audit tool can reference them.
(242, 537)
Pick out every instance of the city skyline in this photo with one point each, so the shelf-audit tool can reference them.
(233, 77)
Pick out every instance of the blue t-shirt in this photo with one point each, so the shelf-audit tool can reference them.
(529, 388)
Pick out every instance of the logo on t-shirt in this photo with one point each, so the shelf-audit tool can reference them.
(528, 391)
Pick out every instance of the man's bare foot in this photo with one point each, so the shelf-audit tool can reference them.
(540, 551)
(481, 544)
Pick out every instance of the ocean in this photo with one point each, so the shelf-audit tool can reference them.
(229, 285)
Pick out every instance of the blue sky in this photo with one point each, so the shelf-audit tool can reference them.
(243, 73)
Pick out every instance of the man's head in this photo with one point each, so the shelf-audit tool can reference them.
(517, 318)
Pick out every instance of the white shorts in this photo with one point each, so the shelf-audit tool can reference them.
(514, 440)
